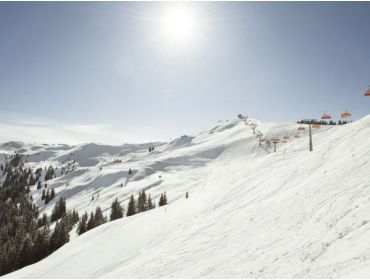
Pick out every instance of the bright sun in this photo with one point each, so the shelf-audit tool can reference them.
(179, 25)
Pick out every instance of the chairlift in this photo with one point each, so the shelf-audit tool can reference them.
(345, 115)
(325, 116)
(301, 128)
(367, 93)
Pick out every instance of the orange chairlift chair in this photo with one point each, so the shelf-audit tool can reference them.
(346, 115)
(367, 93)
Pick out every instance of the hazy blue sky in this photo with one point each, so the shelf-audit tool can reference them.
(104, 64)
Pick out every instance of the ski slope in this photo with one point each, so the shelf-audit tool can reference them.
(251, 213)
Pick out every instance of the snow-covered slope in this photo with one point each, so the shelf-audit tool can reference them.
(250, 212)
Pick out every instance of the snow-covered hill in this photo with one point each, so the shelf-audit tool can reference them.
(250, 212)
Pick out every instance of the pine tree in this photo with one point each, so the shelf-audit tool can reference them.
(32, 180)
(39, 185)
(116, 210)
(26, 254)
(161, 200)
(41, 245)
(43, 195)
(143, 202)
(59, 209)
(82, 226)
(150, 203)
(99, 218)
(75, 217)
(165, 199)
(131, 208)
(91, 223)
(42, 221)
(50, 173)
(129, 171)
(52, 195)
(60, 235)
(47, 197)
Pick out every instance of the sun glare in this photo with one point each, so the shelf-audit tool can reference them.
(179, 25)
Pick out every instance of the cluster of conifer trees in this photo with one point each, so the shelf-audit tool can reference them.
(322, 122)
(89, 222)
(47, 196)
(141, 204)
(24, 237)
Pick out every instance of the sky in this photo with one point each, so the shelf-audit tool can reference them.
(106, 72)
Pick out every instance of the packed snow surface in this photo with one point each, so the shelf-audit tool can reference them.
(250, 213)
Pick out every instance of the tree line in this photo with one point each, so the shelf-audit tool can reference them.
(26, 238)
(143, 203)
(322, 122)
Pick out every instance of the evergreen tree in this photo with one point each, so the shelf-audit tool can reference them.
(129, 171)
(26, 254)
(150, 203)
(99, 218)
(59, 209)
(32, 181)
(165, 199)
(52, 195)
(82, 226)
(91, 223)
(47, 197)
(161, 200)
(60, 235)
(43, 195)
(39, 185)
(50, 173)
(75, 217)
(131, 208)
(142, 202)
(42, 221)
(41, 245)
(116, 210)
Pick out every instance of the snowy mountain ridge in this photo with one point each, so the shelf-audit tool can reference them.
(250, 212)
